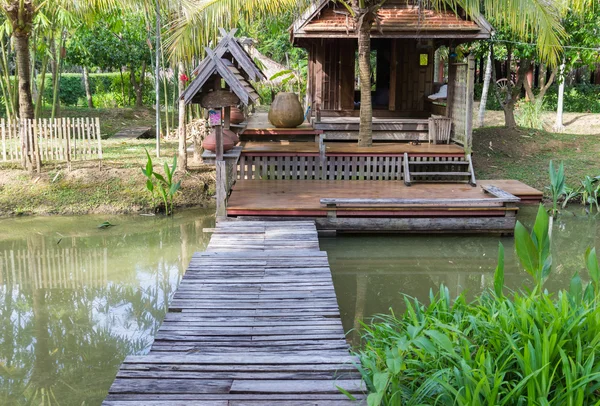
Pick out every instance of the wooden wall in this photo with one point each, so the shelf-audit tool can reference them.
(413, 83)
(331, 73)
(331, 70)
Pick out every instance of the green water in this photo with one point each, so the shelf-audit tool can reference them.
(75, 299)
(371, 273)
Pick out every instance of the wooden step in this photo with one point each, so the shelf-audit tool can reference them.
(438, 163)
(440, 174)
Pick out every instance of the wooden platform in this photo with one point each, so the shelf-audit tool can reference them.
(461, 207)
(258, 124)
(255, 321)
(285, 148)
(131, 133)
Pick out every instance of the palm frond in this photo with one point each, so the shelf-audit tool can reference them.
(199, 21)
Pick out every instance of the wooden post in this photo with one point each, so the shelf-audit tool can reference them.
(469, 101)
(451, 84)
(322, 162)
(99, 136)
(393, 74)
(227, 117)
(67, 136)
(221, 191)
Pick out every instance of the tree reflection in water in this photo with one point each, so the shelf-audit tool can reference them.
(69, 314)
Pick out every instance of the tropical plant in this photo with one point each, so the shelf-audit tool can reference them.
(164, 185)
(529, 347)
(590, 191)
(557, 185)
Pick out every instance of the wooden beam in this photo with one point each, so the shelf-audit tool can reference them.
(469, 101)
(393, 75)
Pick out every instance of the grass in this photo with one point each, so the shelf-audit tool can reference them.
(524, 155)
(119, 187)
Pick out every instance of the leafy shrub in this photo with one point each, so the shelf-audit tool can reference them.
(530, 348)
(583, 98)
(492, 102)
(105, 87)
(529, 114)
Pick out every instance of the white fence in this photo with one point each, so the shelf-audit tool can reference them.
(62, 139)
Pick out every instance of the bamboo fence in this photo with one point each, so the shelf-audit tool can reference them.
(43, 140)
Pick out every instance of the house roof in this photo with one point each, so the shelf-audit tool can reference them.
(231, 62)
(397, 19)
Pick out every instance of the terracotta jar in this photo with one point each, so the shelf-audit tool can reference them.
(236, 116)
(210, 142)
(286, 111)
(232, 136)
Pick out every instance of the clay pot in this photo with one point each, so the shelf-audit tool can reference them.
(236, 116)
(286, 111)
(232, 136)
(210, 142)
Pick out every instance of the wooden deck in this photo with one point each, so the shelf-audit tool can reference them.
(460, 207)
(255, 321)
(286, 148)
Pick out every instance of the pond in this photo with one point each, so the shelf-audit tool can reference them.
(75, 299)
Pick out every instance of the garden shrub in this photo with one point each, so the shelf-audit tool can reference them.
(527, 348)
(105, 87)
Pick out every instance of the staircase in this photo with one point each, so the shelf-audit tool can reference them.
(439, 171)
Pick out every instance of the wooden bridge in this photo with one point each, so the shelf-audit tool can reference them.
(255, 321)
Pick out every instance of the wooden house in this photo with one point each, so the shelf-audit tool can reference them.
(318, 171)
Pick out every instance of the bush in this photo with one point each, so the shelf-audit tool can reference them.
(583, 98)
(530, 348)
(492, 102)
(105, 87)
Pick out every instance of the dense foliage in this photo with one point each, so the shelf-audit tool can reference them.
(526, 348)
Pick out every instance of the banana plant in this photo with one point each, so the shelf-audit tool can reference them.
(165, 185)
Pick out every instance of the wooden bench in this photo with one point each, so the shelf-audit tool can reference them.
(501, 198)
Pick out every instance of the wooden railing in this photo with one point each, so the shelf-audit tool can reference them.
(60, 139)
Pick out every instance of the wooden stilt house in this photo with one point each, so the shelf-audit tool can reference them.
(317, 170)
(405, 68)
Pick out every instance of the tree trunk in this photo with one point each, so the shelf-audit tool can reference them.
(21, 44)
(365, 129)
(509, 115)
(138, 87)
(182, 161)
(86, 85)
(486, 87)
(558, 124)
(40, 97)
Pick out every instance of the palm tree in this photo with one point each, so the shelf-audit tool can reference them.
(526, 18)
(21, 15)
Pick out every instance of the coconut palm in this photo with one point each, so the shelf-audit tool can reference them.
(21, 14)
(525, 18)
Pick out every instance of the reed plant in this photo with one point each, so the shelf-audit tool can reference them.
(558, 187)
(523, 348)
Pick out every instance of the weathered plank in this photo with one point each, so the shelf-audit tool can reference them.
(255, 321)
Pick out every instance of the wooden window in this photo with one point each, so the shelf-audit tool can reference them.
(423, 59)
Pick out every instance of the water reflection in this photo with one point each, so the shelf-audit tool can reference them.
(74, 300)
(371, 273)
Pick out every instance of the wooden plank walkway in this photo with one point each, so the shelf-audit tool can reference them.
(131, 133)
(255, 321)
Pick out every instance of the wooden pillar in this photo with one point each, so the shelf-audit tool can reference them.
(393, 75)
(221, 191)
(451, 80)
(469, 101)
(227, 117)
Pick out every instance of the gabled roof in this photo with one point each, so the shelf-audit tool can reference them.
(397, 19)
(231, 62)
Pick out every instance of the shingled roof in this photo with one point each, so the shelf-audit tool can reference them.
(232, 63)
(398, 19)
